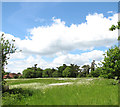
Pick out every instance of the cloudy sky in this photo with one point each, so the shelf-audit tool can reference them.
(54, 33)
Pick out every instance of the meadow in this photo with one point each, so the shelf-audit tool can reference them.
(61, 91)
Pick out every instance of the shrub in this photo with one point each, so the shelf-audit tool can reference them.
(97, 72)
(15, 95)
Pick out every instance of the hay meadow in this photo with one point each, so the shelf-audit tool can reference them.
(61, 91)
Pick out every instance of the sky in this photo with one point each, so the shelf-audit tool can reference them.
(54, 33)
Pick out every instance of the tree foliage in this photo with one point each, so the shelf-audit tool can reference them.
(32, 72)
(66, 72)
(114, 27)
(7, 48)
(111, 63)
(115, 51)
(97, 72)
(86, 69)
(61, 68)
(74, 70)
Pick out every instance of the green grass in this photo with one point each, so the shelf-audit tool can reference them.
(39, 80)
(95, 92)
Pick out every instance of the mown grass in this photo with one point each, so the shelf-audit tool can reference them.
(39, 80)
(95, 92)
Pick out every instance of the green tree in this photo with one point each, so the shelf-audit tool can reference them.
(86, 69)
(39, 72)
(34, 70)
(61, 69)
(28, 73)
(7, 48)
(66, 72)
(31, 72)
(111, 63)
(96, 72)
(114, 27)
(74, 70)
(55, 74)
(48, 72)
(93, 65)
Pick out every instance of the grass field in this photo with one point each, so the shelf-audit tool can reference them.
(61, 91)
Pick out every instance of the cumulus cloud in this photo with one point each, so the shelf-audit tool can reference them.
(80, 59)
(58, 39)
(55, 38)
(20, 61)
(20, 64)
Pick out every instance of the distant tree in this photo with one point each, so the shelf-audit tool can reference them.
(19, 73)
(66, 72)
(39, 72)
(32, 72)
(93, 65)
(55, 74)
(86, 69)
(74, 70)
(35, 67)
(47, 72)
(61, 69)
(28, 73)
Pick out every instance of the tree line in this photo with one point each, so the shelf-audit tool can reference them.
(109, 68)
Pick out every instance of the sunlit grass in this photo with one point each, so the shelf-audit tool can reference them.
(81, 92)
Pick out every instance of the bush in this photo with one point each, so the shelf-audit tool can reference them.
(15, 95)
(3, 86)
(97, 72)
(109, 76)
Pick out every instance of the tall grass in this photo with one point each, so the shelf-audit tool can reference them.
(96, 92)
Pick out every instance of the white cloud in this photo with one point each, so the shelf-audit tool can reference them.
(58, 39)
(80, 59)
(22, 61)
(19, 64)
(49, 40)
(110, 12)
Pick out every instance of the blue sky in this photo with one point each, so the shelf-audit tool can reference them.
(53, 33)
(17, 17)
